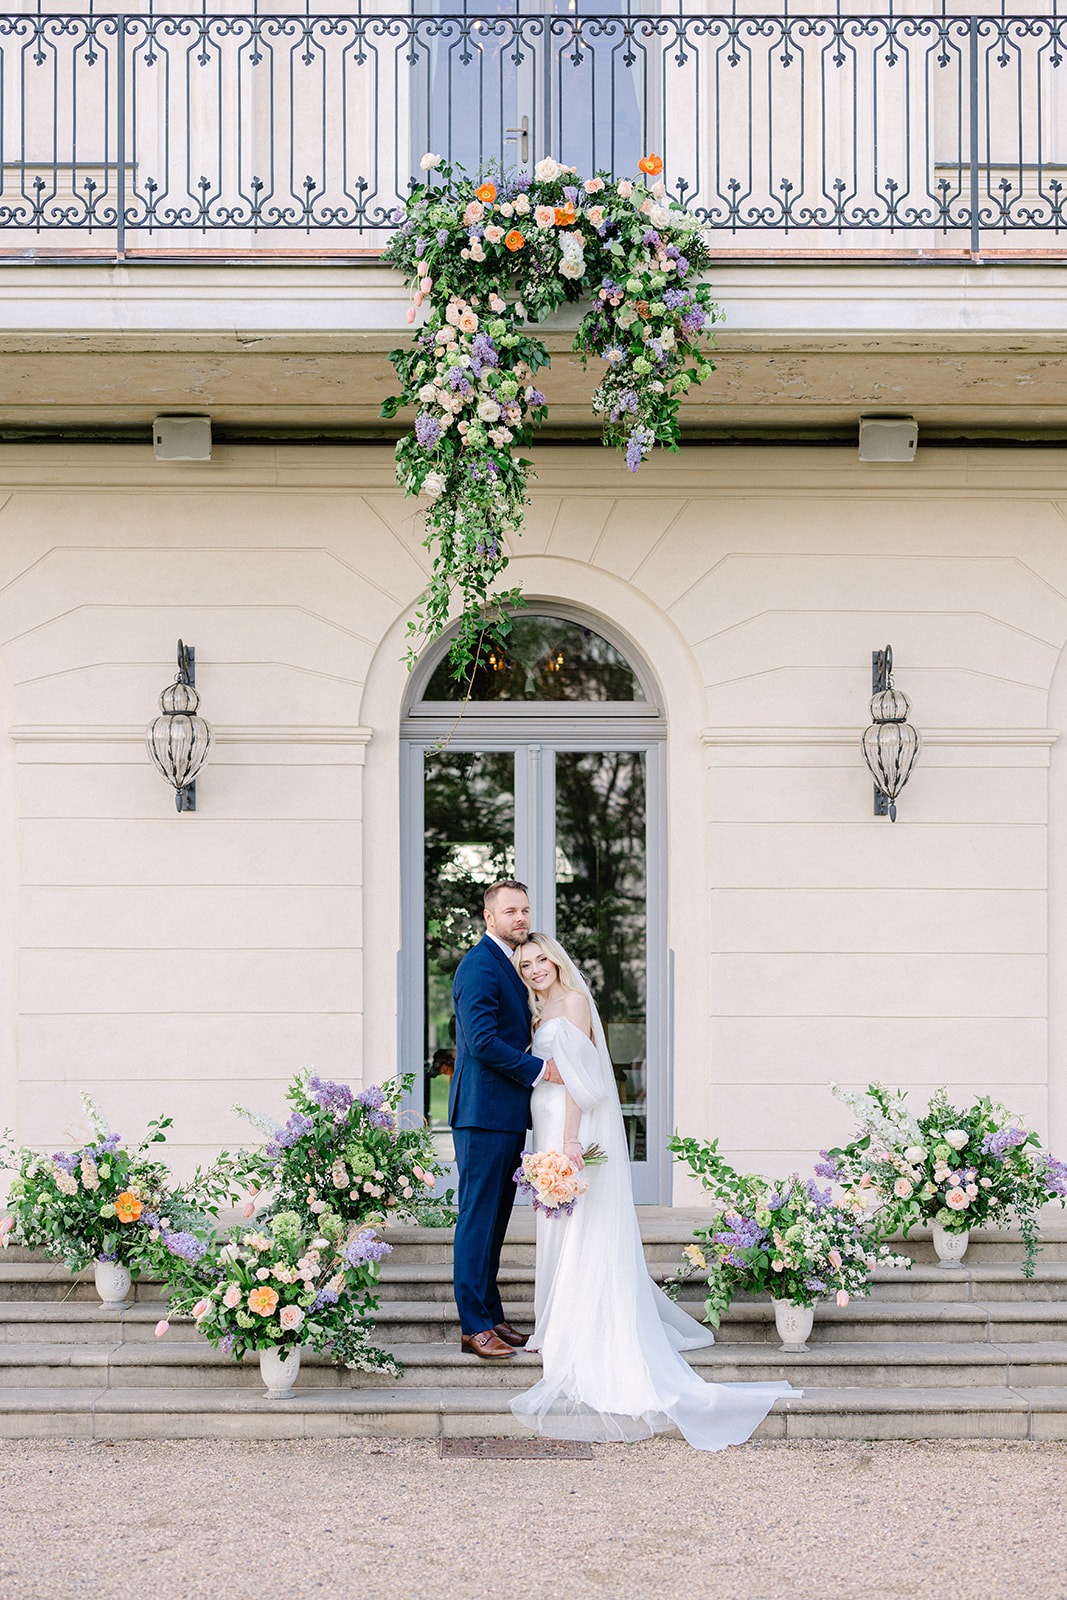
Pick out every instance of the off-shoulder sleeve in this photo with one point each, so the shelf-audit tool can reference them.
(580, 1065)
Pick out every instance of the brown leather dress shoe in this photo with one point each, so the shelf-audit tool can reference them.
(510, 1335)
(485, 1344)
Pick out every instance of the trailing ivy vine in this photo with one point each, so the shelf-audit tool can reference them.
(485, 259)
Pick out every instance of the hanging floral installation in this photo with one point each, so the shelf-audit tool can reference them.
(485, 258)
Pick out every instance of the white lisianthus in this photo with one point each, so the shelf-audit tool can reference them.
(433, 485)
(956, 1137)
(547, 170)
(429, 161)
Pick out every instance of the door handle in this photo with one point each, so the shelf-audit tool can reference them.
(523, 132)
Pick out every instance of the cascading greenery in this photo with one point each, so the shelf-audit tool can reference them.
(486, 257)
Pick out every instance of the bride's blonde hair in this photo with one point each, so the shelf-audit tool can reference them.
(559, 959)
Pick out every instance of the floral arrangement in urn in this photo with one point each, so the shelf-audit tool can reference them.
(348, 1153)
(284, 1285)
(957, 1169)
(486, 256)
(92, 1204)
(784, 1238)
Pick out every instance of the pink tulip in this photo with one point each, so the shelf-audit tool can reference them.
(834, 1258)
(248, 1208)
(842, 1297)
(161, 1327)
(411, 313)
(418, 297)
(6, 1225)
(865, 1180)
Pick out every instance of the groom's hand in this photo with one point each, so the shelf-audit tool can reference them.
(552, 1072)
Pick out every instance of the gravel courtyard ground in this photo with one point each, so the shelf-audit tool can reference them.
(389, 1520)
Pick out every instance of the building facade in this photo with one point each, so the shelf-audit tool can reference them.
(669, 755)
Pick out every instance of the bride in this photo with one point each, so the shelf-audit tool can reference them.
(609, 1339)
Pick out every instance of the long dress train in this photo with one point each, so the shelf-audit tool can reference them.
(610, 1340)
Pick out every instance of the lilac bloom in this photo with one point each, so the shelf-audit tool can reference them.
(427, 430)
(535, 398)
(442, 237)
(366, 1247)
(65, 1162)
(329, 1095)
(325, 1297)
(636, 446)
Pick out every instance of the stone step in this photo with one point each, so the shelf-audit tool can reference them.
(993, 1412)
(434, 1321)
(186, 1364)
(406, 1280)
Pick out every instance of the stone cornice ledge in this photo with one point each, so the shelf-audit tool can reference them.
(267, 733)
(1022, 737)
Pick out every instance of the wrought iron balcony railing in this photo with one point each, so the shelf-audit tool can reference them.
(281, 133)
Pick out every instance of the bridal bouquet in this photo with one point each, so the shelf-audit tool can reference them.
(960, 1169)
(553, 1183)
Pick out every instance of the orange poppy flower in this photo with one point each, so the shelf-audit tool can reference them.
(514, 240)
(486, 193)
(263, 1301)
(127, 1207)
(651, 164)
(565, 215)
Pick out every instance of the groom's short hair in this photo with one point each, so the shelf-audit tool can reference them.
(498, 888)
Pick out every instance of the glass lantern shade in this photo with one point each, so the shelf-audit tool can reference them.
(891, 750)
(890, 705)
(179, 741)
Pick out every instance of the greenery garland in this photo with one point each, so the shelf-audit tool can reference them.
(485, 257)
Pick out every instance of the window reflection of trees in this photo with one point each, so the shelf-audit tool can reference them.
(545, 658)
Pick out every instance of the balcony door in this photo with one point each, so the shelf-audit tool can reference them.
(502, 84)
(553, 774)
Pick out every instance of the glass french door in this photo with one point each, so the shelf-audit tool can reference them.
(504, 83)
(579, 823)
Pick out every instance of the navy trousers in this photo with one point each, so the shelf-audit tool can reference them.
(486, 1161)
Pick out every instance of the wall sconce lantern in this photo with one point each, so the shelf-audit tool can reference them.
(179, 741)
(890, 745)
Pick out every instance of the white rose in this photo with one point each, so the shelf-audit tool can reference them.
(659, 217)
(433, 484)
(522, 205)
(429, 161)
(427, 394)
(547, 170)
(488, 410)
(956, 1137)
(915, 1153)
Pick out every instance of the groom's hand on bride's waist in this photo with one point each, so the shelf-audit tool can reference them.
(552, 1072)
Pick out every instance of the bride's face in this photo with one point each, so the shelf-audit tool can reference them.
(536, 969)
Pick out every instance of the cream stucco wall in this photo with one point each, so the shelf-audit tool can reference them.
(181, 963)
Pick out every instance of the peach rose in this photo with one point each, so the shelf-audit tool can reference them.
(545, 216)
(596, 215)
(593, 185)
(474, 213)
(494, 234)
(232, 1297)
(468, 322)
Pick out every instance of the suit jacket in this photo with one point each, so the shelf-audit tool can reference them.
(495, 1071)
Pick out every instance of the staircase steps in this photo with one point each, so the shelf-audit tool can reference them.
(933, 1353)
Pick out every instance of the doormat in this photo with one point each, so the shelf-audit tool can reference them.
(516, 1449)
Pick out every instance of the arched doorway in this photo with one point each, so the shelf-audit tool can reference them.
(554, 773)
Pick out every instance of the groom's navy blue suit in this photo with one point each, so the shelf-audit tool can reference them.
(489, 1110)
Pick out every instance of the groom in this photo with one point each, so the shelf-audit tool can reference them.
(489, 1111)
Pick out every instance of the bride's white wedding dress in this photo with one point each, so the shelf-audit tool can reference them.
(610, 1340)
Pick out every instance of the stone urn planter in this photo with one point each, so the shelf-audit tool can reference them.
(950, 1248)
(278, 1367)
(794, 1324)
(112, 1283)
